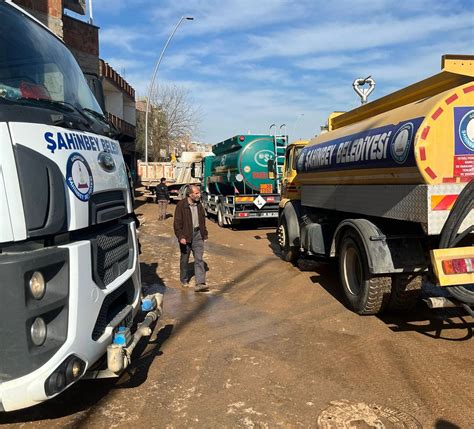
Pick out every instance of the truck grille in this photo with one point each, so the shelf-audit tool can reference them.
(113, 304)
(112, 254)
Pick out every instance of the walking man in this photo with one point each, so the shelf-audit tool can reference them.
(162, 198)
(190, 230)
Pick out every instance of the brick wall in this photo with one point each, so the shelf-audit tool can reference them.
(52, 8)
(49, 12)
(81, 36)
(88, 63)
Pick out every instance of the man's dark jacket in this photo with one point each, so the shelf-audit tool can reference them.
(183, 221)
(162, 193)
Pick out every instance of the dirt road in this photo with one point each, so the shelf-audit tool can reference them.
(272, 345)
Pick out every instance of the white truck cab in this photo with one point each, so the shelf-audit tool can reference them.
(69, 271)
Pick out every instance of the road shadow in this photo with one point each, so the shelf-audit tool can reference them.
(142, 359)
(445, 424)
(191, 271)
(272, 238)
(325, 275)
(248, 225)
(149, 273)
(138, 203)
(449, 324)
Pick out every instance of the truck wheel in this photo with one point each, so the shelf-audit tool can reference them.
(288, 253)
(406, 291)
(365, 293)
(220, 217)
(450, 236)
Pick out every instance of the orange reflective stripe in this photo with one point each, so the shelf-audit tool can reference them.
(468, 89)
(430, 173)
(453, 97)
(443, 202)
(423, 153)
(437, 113)
(425, 132)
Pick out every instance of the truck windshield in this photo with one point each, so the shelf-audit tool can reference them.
(296, 154)
(35, 65)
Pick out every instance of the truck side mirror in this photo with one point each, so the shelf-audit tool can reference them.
(271, 168)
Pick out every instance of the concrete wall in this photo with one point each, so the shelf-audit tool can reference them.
(113, 100)
(129, 111)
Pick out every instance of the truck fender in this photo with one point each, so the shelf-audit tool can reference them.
(292, 214)
(379, 257)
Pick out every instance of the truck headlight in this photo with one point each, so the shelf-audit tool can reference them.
(38, 331)
(37, 285)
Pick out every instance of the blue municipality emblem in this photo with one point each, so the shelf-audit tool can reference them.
(401, 143)
(466, 130)
(79, 177)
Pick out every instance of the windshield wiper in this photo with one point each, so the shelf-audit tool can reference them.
(63, 108)
(69, 107)
(96, 115)
(114, 132)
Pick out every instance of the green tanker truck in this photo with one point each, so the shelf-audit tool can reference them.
(241, 180)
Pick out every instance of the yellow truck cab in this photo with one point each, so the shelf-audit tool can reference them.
(290, 188)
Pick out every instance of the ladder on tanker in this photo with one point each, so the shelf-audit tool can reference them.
(279, 142)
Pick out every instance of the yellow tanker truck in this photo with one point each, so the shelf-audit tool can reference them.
(389, 191)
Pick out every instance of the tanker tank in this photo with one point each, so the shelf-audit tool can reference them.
(428, 141)
(240, 165)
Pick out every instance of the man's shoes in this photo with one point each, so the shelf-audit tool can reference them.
(201, 288)
(185, 284)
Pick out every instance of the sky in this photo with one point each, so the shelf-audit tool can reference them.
(248, 64)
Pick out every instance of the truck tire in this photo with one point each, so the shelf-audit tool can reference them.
(450, 236)
(406, 291)
(288, 253)
(220, 216)
(364, 292)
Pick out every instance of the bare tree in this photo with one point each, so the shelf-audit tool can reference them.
(172, 120)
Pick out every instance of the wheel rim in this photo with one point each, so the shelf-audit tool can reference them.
(281, 236)
(352, 270)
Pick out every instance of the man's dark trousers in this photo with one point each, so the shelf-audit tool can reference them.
(197, 246)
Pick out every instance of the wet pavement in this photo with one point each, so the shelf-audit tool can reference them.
(272, 345)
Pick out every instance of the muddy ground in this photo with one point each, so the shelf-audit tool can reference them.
(272, 345)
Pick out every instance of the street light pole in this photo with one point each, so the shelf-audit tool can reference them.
(155, 71)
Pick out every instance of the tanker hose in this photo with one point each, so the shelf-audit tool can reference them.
(450, 237)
